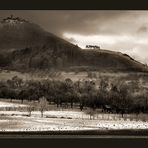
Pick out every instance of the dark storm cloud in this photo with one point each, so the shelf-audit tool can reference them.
(82, 22)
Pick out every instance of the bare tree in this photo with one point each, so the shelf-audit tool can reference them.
(91, 113)
(30, 108)
(43, 105)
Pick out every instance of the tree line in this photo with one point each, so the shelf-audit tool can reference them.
(110, 96)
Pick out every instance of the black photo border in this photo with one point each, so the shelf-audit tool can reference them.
(73, 5)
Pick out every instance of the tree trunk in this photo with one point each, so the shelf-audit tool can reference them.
(81, 107)
(29, 113)
(61, 104)
(57, 102)
(57, 105)
(71, 104)
(42, 114)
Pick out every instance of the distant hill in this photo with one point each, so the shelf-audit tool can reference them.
(26, 46)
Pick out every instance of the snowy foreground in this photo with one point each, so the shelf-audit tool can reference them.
(12, 105)
(62, 120)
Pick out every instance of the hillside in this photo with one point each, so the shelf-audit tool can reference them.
(25, 46)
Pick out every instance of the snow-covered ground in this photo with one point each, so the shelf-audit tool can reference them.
(9, 104)
(63, 120)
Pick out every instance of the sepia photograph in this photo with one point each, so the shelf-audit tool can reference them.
(74, 72)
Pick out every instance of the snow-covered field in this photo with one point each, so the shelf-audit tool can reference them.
(63, 120)
(9, 104)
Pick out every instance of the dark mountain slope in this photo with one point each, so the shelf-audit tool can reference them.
(26, 46)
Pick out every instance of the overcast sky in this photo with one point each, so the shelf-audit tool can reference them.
(124, 31)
